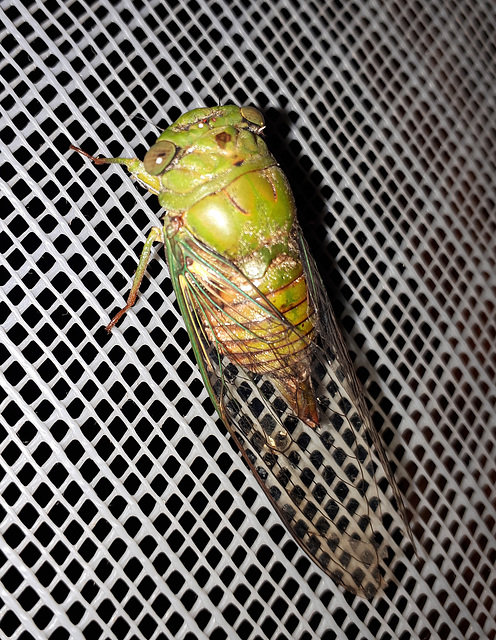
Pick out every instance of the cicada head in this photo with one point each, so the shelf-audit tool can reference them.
(209, 130)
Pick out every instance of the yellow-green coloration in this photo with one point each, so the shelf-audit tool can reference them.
(221, 187)
(226, 186)
(228, 192)
(264, 335)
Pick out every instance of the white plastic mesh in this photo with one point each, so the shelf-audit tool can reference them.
(124, 511)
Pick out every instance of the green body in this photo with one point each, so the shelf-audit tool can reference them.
(222, 189)
(227, 188)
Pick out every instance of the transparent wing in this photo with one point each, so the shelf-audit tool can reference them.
(320, 480)
(334, 346)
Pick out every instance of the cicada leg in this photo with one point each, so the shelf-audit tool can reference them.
(155, 235)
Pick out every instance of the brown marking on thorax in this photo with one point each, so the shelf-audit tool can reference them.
(222, 139)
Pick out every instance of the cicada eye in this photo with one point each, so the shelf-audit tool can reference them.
(158, 157)
(253, 115)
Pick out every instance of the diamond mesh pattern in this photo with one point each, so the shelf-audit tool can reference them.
(124, 510)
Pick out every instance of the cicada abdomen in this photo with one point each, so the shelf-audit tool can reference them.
(264, 335)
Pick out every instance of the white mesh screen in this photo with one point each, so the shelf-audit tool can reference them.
(124, 510)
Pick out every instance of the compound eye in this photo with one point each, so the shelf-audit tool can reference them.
(159, 157)
(253, 115)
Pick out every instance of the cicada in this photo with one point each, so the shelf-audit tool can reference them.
(265, 336)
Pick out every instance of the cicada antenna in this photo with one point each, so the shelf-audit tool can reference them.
(218, 88)
(150, 122)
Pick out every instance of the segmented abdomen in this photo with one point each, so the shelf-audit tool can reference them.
(268, 331)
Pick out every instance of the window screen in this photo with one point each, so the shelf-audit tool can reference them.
(125, 511)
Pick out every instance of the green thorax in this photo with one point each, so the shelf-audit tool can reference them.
(219, 182)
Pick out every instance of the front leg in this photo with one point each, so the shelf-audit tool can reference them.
(156, 235)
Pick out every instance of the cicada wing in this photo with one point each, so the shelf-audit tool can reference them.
(334, 347)
(319, 480)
